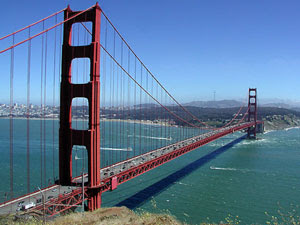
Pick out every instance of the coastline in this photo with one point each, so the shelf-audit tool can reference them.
(144, 122)
(285, 127)
(269, 126)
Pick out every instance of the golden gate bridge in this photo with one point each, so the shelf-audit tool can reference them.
(112, 110)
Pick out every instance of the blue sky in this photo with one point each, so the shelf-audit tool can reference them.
(197, 46)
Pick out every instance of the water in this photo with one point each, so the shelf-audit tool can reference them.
(245, 179)
(248, 180)
(117, 144)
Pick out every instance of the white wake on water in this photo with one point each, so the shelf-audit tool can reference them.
(150, 137)
(257, 141)
(118, 149)
(221, 168)
(229, 169)
(182, 183)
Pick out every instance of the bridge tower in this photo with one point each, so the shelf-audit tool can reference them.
(252, 113)
(69, 137)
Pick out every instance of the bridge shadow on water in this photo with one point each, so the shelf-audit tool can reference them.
(142, 196)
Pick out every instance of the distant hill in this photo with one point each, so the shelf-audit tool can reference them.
(215, 104)
(146, 105)
(234, 103)
(277, 105)
(296, 109)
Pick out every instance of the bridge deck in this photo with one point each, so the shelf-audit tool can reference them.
(59, 198)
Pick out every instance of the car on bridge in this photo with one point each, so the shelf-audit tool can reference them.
(20, 203)
(28, 206)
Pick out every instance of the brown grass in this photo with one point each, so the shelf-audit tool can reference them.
(115, 216)
(103, 216)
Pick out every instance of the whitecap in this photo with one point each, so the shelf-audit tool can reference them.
(268, 131)
(290, 128)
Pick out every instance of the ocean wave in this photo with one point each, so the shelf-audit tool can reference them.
(215, 144)
(269, 131)
(290, 128)
(255, 142)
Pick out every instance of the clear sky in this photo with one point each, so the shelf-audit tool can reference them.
(197, 46)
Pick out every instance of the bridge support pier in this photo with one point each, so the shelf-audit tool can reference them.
(252, 112)
(69, 137)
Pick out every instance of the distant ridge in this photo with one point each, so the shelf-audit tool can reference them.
(235, 103)
(215, 104)
(146, 105)
(277, 105)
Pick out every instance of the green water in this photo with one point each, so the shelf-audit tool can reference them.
(132, 138)
(244, 180)
(247, 180)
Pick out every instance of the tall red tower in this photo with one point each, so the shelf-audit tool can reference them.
(69, 137)
(252, 113)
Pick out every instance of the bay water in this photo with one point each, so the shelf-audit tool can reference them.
(229, 179)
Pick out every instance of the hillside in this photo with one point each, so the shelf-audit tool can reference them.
(275, 118)
(102, 216)
(215, 104)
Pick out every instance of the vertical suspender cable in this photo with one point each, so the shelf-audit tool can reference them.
(169, 121)
(113, 95)
(141, 110)
(28, 108)
(146, 114)
(60, 65)
(123, 111)
(135, 117)
(11, 125)
(110, 111)
(122, 104)
(120, 101)
(166, 121)
(118, 124)
(41, 110)
(118, 130)
(152, 127)
(161, 118)
(128, 108)
(45, 98)
(53, 102)
(103, 133)
(158, 118)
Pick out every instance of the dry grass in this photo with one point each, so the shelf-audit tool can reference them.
(115, 216)
(103, 216)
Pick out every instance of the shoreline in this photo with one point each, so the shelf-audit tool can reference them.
(269, 127)
(144, 122)
(281, 128)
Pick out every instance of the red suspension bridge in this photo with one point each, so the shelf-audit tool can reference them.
(116, 120)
